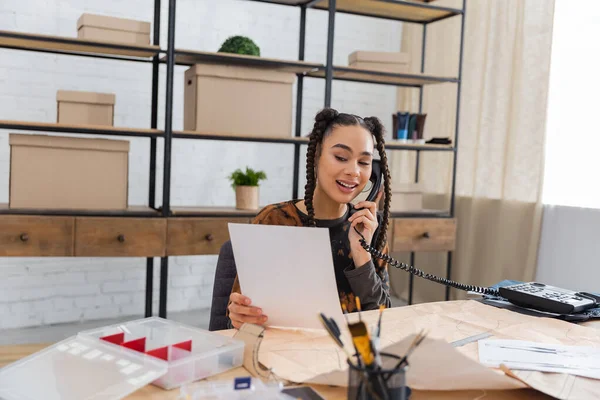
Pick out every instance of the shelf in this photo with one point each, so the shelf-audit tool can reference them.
(233, 137)
(131, 211)
(283, 2)
(420, 214)
(191, 57)
(230, 212)
(390, 145)
(212, 212)
(75, 46)
(399, 10)
(386, 78)
(396, 145)
(80, 129)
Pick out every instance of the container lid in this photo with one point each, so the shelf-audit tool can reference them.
(243, 73)
(108, 22)
(63, 142)
(379, 56)
(85, 97)
(79, 368)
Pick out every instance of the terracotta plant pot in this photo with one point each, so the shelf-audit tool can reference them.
(246, 197)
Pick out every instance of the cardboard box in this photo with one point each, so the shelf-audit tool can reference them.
(85, 108)
(110, 29)
(379, 61)
(407, 197)
(235, 100)
(54, 172)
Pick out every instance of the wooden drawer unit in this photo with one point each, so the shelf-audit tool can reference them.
(36, 236)
(120, 237)
(192, 236)
(424, 234)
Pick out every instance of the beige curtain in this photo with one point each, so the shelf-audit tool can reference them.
(507, 46)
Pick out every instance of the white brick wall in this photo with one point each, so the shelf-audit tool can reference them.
(36, 291)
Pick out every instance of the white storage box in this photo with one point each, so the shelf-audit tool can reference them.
(114, 361)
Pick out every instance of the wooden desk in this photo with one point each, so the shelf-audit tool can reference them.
(9, 354)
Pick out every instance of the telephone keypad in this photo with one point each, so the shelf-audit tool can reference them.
(544, 297)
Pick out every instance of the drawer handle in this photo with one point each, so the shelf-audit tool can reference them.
(425, 235)
(209, 237)
(24, 237)
(121, 238)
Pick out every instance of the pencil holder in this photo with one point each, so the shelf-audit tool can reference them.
(385, 383)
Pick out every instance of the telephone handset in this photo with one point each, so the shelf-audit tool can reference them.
(376, 178)
(529, 295)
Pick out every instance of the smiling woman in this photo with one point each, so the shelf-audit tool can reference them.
(338, 167)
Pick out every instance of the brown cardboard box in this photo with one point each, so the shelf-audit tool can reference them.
(110, 29)
(379, 61)
(407, 197)
(55, 172)
(85, 108)
(245, 101)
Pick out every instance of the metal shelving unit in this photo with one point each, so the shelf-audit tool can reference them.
(70, 46)
(399, 10)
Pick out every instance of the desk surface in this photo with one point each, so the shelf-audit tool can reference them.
(9, 354)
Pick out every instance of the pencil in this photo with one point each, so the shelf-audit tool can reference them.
(345, 310)
(381, 307)
(358, 308)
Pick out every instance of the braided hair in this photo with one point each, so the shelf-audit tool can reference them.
(325, 121)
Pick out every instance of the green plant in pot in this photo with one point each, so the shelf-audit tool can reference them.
(240, 45)
(246, 185)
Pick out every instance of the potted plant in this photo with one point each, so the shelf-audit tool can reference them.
(240, 45)
(246, 188)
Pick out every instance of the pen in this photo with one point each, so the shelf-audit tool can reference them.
(334, 331)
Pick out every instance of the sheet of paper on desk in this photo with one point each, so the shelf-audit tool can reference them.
(287, 272)
(300, 356)
(436, 365)
(534, 356)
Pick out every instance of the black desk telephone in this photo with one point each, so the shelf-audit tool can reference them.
(532, 295)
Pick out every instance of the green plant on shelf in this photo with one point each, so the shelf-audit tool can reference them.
(248, 178)
(240, 45)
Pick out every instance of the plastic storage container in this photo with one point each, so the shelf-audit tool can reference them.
(190, 353)
(79, 368)
(114, 361)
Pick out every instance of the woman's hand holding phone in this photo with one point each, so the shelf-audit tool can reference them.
(241, 311)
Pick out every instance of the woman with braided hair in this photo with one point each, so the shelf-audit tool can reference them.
(338, 167)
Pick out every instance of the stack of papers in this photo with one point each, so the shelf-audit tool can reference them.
(533, 356)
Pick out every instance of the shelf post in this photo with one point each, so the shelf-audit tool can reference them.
(299, 97)
(456, 128)
(411, 278)
(166, 207)
(329, 66)
(152, 172)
